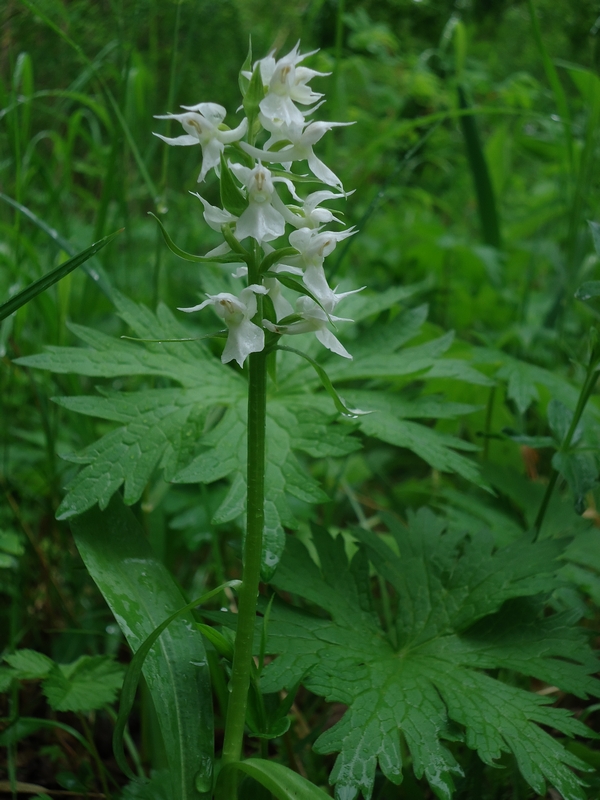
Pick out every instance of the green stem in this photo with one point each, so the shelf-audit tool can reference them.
(248, 591)
(584, 396)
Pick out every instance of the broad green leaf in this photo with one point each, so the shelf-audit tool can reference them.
(463, 607)
(85, 685)
(279, 780)
(588, 290)
(437, 449)
(595, 231)
(52, 277)
(134, 673)
(523, 379)
(286, 431)
(159, 787)
(29, 664)
(11, 543)
(559, 420)
(580, 469)
(141, 592)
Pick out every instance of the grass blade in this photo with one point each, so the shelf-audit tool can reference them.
(279, 780)
(486, 201)
(55, 275)
(95, 271)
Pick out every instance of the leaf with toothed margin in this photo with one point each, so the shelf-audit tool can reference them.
(225, 455)
(463, 607)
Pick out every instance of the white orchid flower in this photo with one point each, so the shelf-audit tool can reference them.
(202, 125)
(301, 149)
(244, 336)
(314, 320)
(260, 220)
(311, 216)
(286, 84)
(314, 246)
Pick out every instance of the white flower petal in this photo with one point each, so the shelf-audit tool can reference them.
(179, 141)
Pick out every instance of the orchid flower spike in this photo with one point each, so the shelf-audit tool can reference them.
(202, 125)
(244, 336)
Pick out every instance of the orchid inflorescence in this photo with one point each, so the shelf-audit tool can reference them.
(253, 209)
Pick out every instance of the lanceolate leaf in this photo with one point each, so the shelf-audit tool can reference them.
(462, 607)
(141, 592)
(52, 277)
(279, 780)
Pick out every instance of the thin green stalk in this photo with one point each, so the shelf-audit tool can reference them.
(248, 591)
(584, 396)
(96, 755)
(488, 423)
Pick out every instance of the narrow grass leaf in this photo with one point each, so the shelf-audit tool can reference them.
(52, 277)
(94, 271)
(279, 780)
(486, 201)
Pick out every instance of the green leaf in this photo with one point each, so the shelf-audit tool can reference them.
(275, 257)
(232, 198)
(94, 270)
(559, 420)
(463, 607)
(29, 664)
(486, 201)
(11, 543)
(279, 780)
(134, 672)
(227, 258)
(26, 726)
(595, 231)
(351, 413)
(251, 102)
(140, 592)
(52, 277)
(588, 290)
(243, 82)
(85, 685)
(579, 469)
(286, 431)
(436, 448)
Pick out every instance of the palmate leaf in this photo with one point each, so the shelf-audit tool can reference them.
(174, 428)
(462, 607)
(193, 428)
(226, 455)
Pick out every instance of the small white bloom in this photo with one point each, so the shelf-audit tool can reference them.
(314, 246)
(286, 85)
(201, 123)
(260, 220)
(215, 216)
(244, 336)
(314, 320)
(302, 149)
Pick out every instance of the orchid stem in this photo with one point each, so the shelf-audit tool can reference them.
(248, 591)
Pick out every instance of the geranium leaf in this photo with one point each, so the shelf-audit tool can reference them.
(463, 606)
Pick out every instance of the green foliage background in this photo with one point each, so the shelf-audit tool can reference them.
(80, 82)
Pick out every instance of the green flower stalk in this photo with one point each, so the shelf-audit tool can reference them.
(280, 246)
